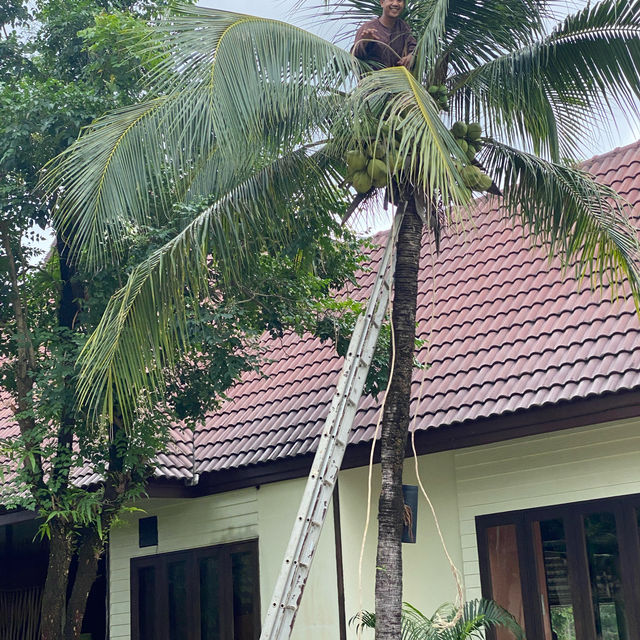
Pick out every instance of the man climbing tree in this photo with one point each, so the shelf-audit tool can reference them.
(386, 41)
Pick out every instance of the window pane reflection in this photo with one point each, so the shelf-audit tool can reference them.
(243, 599)
(558, 617)
(209, 599)
(178, 615)
(604, 569)
(147, 603)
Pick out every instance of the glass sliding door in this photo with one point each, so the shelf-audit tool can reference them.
(552, 570)
(606, 577)
(200, 594)
(569, 572)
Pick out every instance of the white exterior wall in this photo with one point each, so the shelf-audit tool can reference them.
(428, 580)
(586, 463)
(268, 514)
(568, 466)
(182, 524)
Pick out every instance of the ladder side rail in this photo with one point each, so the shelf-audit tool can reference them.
(328, 459)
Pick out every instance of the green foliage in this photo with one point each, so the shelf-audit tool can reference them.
(477, 617)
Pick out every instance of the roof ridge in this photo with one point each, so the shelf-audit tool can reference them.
(602, 156)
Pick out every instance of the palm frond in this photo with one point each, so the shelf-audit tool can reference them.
(477, 617)
(255, 71)
(229, 82)
(425, 145)
(145, 328)
(477, 32)
(583, 222)
(587, 66)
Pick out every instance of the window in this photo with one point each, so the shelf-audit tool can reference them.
(570, 572)
(200, 594)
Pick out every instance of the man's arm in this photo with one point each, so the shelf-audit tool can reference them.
(365, 36)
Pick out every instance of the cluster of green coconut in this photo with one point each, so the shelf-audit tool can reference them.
(440, 95)
(468, 138)
(371, 164)
(367, 167)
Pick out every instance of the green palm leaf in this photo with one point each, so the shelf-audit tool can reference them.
(230, 82)
(477, 616)
(578, 219)
(145, 326)
(395, 96)
(587, 66)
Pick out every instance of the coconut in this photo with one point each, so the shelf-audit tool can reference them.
(377, 170)
(477, 145)
(459, 129)
(471, 152)
(442, 90)
(380, 182)
(433, 90)
(356, 160)
(474, 131)
(376, 150)
(484, 182)
(362, 182)
(463, 144)
(471, 176)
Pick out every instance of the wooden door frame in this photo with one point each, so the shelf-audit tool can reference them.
(625, 510)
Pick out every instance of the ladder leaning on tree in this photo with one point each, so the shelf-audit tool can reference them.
(305, 535)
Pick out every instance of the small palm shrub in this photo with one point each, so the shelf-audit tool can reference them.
(477, 616)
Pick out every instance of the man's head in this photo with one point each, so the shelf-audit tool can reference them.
(391, 9)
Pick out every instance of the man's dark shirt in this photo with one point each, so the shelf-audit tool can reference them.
(389, 45)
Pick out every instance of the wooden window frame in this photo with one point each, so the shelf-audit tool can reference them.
(625, 509)
(192, 558)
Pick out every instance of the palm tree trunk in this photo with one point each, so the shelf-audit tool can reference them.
(54, 598)
(395, 427)
(89, 553)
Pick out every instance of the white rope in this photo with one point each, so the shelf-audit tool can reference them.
(439, 623)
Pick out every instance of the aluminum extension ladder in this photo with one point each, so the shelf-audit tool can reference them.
(305, 535)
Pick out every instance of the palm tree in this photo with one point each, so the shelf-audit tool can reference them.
(258, 114)
(475, 618)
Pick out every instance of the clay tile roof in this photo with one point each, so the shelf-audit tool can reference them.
(507, 330)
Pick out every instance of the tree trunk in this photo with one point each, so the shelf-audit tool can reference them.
(54, 597)
(395, 427)
(89, 552)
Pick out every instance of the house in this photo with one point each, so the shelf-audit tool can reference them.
(528, 438)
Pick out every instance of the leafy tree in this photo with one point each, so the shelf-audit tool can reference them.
(71, 71)
(48, 92)
(261, 114)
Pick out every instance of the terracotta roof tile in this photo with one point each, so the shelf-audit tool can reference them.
(508, 330)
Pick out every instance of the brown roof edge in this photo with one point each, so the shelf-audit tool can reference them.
(15, 516)
(565, 415)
